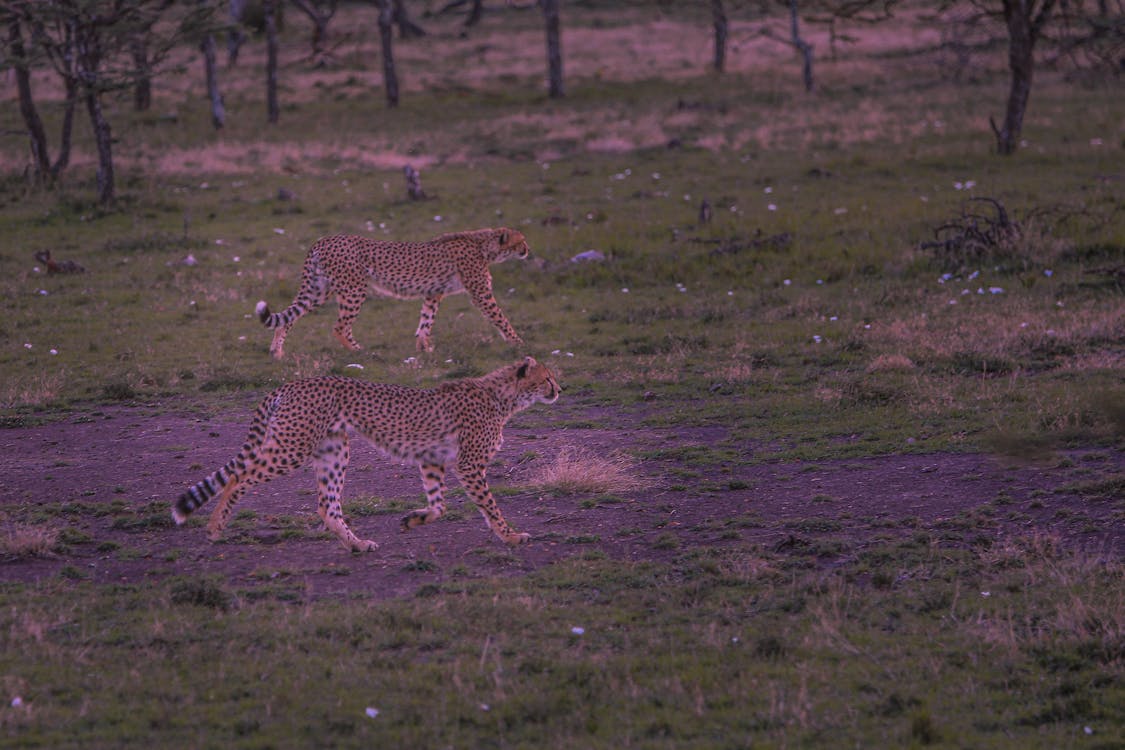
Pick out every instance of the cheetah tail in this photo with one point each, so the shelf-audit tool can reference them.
(269, 320)
(283, 318)
(201, 492)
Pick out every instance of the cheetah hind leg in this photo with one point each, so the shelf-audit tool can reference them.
(224, 509)
(346, 314)
(260, 466)
(277, 346)
(331, 463)
(433, 482)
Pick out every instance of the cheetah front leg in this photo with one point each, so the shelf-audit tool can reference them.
(480, 291)
(331, 464)
(433, 482)
(472, 479)
(422, 340)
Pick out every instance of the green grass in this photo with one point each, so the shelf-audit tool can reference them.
(141, 326)
(816, 330)
(1014, 646)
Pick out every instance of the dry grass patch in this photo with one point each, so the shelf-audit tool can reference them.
(1083, 615)
(580, 470)
(22, 541)
(37, 390)
(1017, 333)
(891, 363)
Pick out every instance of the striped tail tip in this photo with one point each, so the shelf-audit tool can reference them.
(183, 507)
(263, 311)
(191, 500)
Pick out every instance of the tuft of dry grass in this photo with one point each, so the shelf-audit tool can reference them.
(891, 363)
(36, 390)
(578, 470)
(23, 541)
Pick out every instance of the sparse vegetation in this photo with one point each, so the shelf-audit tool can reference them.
(775, 364)
(477, 658)
(22, 540)
(576, 470)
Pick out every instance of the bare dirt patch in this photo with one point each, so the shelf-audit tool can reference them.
(104, 480)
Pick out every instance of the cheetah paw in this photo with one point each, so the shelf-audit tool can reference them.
(412, 519)
(515, 540)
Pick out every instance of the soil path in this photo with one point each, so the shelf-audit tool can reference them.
(105, 480)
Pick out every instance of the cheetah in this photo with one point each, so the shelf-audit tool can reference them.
(456, 425)
(353, 266)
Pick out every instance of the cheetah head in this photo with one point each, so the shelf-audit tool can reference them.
(512, 244)
(536, 382)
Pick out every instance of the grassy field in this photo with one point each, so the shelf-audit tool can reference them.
(807, 318)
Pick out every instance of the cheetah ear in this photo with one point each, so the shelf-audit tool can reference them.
(521, 373)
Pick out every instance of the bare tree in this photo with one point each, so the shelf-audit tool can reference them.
(1070, 26)
(406, 27)
(1025, 20)
(386, 38)
(802, 46)
(89, 44)
(719, 20)
(476, 10)
(142, 89)
(42, 168)
(320, 12)
(269, 7)
(218, 113)
(235, 35)
(554, 49)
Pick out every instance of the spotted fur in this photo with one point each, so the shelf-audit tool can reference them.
(455, 426)
(352, 266)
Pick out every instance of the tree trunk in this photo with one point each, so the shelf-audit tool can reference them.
(320, 27)
(719, 18)
(386, 37)
(67, 128)
(802, 46)
(475, 12)
(273, 113)
(1024, 26)
(104, 140)
(554, 49)
(406, 27)
(38, 136)
(142, 89)
(218, 114)
(235, 37)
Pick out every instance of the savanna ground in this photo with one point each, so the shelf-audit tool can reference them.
(811, 483)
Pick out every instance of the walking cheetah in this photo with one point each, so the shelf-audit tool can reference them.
(352, 266)
(456, 425)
